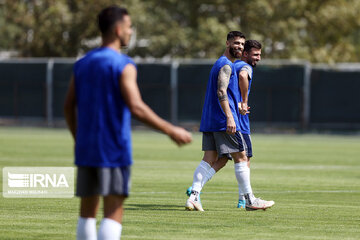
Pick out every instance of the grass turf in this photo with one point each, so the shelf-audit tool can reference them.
(314, 180)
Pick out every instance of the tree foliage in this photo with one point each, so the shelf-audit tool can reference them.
(319, 31)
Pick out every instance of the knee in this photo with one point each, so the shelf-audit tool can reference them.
(240, 157)
(210, 157)
(220, 163)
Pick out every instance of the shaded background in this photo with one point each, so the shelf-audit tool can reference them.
(309, 79)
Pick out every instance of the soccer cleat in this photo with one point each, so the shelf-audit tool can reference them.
(257, 204)
(193, 205)
(241, 204)
(188, 192)
(189, 205)
(193, 202)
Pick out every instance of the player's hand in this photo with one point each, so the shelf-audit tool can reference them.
(230, 126)
(180, 136)
(243, 108)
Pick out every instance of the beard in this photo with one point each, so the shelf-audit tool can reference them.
(234, 53)
(253, 64)
(124, 41)
(123, 44)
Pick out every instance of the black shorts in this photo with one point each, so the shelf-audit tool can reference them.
(223, 143)
(246, 139)
(103, 181)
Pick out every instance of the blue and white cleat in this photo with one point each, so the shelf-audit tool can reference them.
(241, 204)
(188, 192)
(257, 204)
(193, 203)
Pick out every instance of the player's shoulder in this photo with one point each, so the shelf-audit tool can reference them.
(239, 64)
(242, 66)
(128, 59)
(95, 54)
(222, 61)
(247, 67)
(117, 58)
(87, 56)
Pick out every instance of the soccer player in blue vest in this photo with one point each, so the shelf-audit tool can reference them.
(243, 69)
(219, 121)
(102, 95)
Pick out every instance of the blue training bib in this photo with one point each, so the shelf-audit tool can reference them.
(213, 118)
(103, 137)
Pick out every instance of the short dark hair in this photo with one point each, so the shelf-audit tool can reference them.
(231, 35)
(109, 16)
(249, 44)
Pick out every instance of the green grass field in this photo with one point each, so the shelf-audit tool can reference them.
(314, 180)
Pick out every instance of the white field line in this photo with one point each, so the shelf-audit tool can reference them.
(306, 167)
(256, 192)
(259, 166)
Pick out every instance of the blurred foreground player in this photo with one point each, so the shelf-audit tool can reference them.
(102, 95)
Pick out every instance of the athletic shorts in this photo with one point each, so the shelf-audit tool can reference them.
(246, 139)
(103, 181)
(223, 143)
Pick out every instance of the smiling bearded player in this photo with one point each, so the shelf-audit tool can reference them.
(219, 121)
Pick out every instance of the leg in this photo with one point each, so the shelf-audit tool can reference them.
(110, 227)
(239, 157)
(199, 179)
(113, 207)
(220, 163)
(242, 173)
(210, 157)
(89, 206)
(215, 167)
(86, 228)
(246, 140)
(212, 167)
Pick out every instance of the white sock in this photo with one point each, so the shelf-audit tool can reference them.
(208, 176)
(86, 229)
(199, 175)
(109, 230)
(242, 173)
(241, 194)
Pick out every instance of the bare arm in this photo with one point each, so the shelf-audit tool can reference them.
(131, 94)
(70, 108)
(244, 87)
(223, 83)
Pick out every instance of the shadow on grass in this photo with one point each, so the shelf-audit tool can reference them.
(153, 207)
